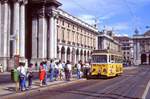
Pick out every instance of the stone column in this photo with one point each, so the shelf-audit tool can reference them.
(52, 34)
(135, 52)
(4, 35)
(75, 58)
(138, 53)
(96, 42)
(16, 27)
(70, 55)
(79, 57)
(147, 59)
(55, 35)
(42, 52)
(0, 30)
(34, 37)
(22, 30)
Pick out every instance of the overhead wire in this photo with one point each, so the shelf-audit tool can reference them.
(86, 10)
(133, 15)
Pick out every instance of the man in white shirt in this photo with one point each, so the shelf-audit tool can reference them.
(68, 70)
(60, 68)
(22, 76)
(79, 70)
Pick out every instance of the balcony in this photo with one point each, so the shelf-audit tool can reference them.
(68, 42)
(73, 43)
(63, 41)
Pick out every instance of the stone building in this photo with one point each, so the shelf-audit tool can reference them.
(38, 30)
(106, 41)
(127, 48)
(142, 48)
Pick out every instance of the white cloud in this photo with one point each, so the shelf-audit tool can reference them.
(90, 19)
(117, 26)
(120, 26)
(108, 12)
(119, 35)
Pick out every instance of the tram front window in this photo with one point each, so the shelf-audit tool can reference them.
(99, 58)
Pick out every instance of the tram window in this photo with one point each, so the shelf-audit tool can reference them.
(99, 58)
(112, 59)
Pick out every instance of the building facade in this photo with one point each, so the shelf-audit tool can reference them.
(142, 48)
(37, 30)
(127, 48)
(106, 41)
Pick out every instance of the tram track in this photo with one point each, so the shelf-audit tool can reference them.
(130, 85)
(127, 86)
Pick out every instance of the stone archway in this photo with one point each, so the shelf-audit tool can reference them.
(149, 59)
(63, 53)
(73, 55)
(68, 54)
(58, 52)
(77, 55)
(88, 54)
(143, 59)
(85, 56)
(81, 55)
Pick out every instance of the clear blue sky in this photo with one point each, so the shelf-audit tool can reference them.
(123, 16)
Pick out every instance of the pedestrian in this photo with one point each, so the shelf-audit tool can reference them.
(15, 78)
(30, 75)
(51, 70)
(79, 70)
(22, 76)
(86, 69)
(56, 71)
(1, 68)
(60, 68)
(46, 72)
(68, 69)
(41, 74)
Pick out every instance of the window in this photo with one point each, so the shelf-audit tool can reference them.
(68, 34)
(112, 59)
(99, 58)
(63, 23)
(73, 33)
(63, 35)
(68, 25)
(81, 39)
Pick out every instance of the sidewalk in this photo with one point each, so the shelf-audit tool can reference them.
(9, 88)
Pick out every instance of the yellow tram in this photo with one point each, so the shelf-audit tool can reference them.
(105, 63)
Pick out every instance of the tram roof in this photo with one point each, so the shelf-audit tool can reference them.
(107, 52)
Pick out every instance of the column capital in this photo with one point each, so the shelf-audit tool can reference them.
(17, 1)
(52, 13)
(4, 1)
(24, 2)
(41, 12)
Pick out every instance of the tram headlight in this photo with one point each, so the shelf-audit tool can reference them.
(93, 70)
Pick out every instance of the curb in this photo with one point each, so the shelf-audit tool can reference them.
(44, 88)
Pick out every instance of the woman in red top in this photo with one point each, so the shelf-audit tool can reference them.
(41, 74)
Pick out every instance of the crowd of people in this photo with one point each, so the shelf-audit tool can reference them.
(56, 70)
